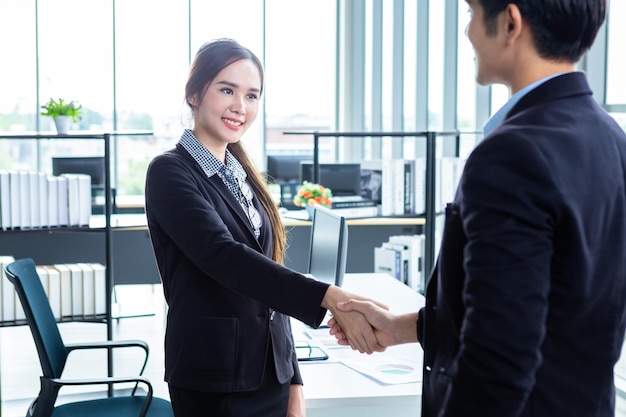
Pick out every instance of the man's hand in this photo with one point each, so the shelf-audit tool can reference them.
(356, 330)
(389, 329)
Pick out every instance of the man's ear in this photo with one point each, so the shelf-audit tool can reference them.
(513, 22)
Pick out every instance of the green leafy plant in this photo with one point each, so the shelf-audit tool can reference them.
(60, 107)
(310, 194)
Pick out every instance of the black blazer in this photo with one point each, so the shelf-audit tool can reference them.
(220, 283)
(526, 309)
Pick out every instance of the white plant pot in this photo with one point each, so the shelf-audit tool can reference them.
(62, 124)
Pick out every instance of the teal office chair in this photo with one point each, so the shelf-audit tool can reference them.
(53, 354)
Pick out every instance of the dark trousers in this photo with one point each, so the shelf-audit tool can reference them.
(269, 400)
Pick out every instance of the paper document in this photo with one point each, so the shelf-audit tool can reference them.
(387, 369)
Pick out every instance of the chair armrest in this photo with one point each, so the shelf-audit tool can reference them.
(59, 382)
(110, 345)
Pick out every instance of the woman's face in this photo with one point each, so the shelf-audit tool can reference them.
(229, 106)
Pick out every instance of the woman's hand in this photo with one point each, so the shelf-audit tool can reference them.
(296, 407)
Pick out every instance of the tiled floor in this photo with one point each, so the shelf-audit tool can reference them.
(19, 366)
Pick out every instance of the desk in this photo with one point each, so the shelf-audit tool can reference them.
(332, 389)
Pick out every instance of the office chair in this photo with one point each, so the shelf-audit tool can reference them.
(53, 354)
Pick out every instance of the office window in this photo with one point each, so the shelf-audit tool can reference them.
(466, 75)
(152, 62)
(410, 66)
(300, 63)
(435, 64)
(616, 61)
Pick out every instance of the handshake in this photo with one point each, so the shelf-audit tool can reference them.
(367, 325)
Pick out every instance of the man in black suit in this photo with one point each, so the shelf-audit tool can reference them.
(526, 307)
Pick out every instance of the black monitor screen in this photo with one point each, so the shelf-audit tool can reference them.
(91, 165)
(342, 179)
(329, 246)
(285, 168)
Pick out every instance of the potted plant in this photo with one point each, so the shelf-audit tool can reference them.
(62, 112)
(310, 194)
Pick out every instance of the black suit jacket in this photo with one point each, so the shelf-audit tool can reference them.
(525, 311)
(220, 283)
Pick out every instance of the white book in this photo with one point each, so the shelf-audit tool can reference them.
(54, 290)
(64, 217)
(89, 290)
(385, 260)
(357, 212)
(409, 184)
(379, 171)
(43, 277)
(84, 199)
(419, 185)
(73, 199)
(397, 169)
(100, 284)
(414, 243)
(9, 297)
(65, 277)
(5, 200)
(33, 199)
(42, 180)
(24, 200)
(14, 187)
(448, 179)
(388, 188)
(402, 260)
(77, 290)
(53, 200)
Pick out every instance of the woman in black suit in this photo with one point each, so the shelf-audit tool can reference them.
(219, 244)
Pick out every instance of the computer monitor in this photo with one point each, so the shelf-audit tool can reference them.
(91, 165)
(342, 179)
(285, 168)
(329, 246)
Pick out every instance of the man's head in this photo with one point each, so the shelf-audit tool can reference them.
(563, 30)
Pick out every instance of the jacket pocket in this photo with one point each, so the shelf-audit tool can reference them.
(212, 346)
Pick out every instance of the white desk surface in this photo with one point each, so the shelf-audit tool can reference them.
(333, 389)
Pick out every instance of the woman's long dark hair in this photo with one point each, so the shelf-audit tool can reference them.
(213, 57)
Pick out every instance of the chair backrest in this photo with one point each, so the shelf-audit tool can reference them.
(50, 347)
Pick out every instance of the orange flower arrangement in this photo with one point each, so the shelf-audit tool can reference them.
(310, 194)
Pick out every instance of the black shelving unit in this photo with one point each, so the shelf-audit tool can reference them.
(431, 160)
(108, 211)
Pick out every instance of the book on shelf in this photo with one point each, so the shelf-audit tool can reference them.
(357, 212)
(100, 286)
(9, 297)
(416, 247)
(65, 282)
(63, 202)
(84, 199)
(387, 260)
(14, 186)
(351, 201)
(73, 199)
(76, 274)
(33, 199)
(89, 290)
(401, 260)
(42, 185)
(24, 198)
(53, 200)
(54, 289)
(5, 200)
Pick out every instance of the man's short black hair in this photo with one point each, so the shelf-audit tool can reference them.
(562, 29)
